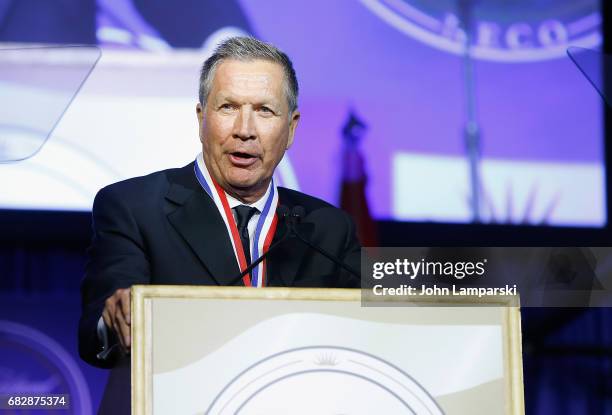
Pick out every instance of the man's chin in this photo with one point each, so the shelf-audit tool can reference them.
(245, 183)
(245, 186)
(242, 179)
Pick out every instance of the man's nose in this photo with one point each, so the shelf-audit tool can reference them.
(244, 127)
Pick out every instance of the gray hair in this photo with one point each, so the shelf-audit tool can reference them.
(248, 49)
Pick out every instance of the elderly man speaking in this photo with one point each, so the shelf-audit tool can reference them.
(205, 223)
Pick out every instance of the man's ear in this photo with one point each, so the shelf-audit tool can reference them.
(200, 116)
(293, 123)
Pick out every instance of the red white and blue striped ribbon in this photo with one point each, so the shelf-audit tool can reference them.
(264, 230)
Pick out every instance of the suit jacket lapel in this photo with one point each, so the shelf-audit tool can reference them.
(198, 221)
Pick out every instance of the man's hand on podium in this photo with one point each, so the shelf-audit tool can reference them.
(116, 316)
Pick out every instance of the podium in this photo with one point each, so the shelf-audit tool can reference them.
(238, 350)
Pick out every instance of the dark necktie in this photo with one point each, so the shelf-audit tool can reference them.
(243, 215)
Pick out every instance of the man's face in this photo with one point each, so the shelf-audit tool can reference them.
(245, 126)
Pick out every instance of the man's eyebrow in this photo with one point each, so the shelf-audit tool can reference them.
(223, 97)
(269, 100)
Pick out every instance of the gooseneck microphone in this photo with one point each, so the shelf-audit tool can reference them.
(295, 217)
(292, 218)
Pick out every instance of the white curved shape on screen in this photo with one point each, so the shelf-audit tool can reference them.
(219, 36)
(395, 20)
(287, 175)
(124, 37)
(60, 177)
(114, 35)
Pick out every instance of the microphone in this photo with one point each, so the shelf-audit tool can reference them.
(292, 218)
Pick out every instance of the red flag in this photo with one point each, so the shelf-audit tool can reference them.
(353, 198)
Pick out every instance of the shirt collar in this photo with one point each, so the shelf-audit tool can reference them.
(259, 204)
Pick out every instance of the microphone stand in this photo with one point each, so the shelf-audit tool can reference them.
(472, 134)
(292, 219)
(327, 255)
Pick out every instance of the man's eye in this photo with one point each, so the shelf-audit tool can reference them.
(226, 107)
(266, 110)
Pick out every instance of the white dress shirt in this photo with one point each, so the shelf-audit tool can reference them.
(259, 205)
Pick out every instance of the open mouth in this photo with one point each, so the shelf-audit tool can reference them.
(241, 159)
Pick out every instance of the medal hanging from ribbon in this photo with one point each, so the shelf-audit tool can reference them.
(264, 230)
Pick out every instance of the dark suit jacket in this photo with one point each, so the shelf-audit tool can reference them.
(164, 229)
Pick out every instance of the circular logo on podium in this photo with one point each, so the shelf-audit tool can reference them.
(520, 30)
(324, 379)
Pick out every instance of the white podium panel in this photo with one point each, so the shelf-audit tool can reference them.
(222, 350)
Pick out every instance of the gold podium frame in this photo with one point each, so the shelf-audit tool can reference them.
(141, 327)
